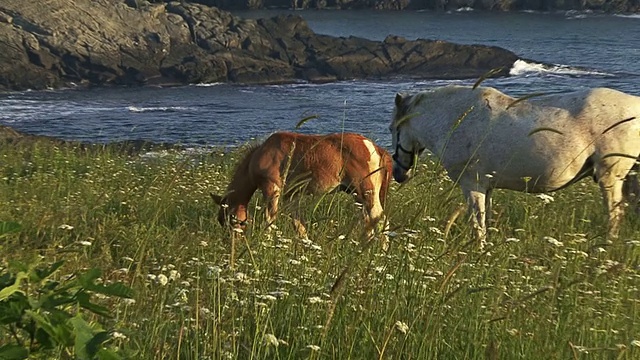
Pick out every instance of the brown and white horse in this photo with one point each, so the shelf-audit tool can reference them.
(288, 164)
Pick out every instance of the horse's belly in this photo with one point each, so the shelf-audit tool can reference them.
(539, 182)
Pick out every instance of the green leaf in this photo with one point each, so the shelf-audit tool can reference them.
(84, 334)
(96, 343)
(41, 274)
(57, 330)
(105, 354)
(486, 75)
(301, 122)
(87, 281)
(544, 129)
(13, 352)
(10, 290)
(88, 278)
(9, 227)
(84, 300)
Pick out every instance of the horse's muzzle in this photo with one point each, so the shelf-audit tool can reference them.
(399, 174)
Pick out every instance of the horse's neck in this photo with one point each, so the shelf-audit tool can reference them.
(242, 187)
(455, 113)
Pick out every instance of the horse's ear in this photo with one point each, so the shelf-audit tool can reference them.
(399, 100)
(216, 198)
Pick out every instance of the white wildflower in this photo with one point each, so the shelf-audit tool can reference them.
(315, 300)
(402, 327)
(553, 241)
(213, 270)
(65, 227)
(84, 243)
(545, 198)
(271, 340)
(162, 279)
(173, 275)
(435, 230)
(118, 335)
(267, 297)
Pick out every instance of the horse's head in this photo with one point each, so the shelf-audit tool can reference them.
(406, 148)
(232, 215)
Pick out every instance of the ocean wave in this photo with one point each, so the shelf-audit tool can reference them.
(522, 67)
(208, 84)
(137, 109)
(628, 16)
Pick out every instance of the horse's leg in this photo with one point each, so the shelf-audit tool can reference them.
(296, 216)
(477, 201)
(271, 192)
(368, 193)
(611, 182)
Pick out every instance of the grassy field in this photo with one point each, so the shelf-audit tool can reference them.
(547, 286)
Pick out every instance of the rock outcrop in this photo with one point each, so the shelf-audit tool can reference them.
(614, 6)
(54, 43)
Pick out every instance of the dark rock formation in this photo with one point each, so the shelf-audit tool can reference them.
(53, 43)
(614, 6)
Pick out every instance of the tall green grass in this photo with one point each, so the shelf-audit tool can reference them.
(547, 285)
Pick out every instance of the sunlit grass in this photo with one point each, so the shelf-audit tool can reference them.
(546, 286)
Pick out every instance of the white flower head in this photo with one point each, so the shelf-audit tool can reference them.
(65, 227)
(545, 198)
(162, 279)
(271, 340)
(553, 241)
(401, 326)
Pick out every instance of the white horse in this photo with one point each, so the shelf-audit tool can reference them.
(488, 140)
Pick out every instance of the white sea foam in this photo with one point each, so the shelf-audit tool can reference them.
(208, 84)
(523, 68)
(464, 9)
(138, 109)
(628, 16)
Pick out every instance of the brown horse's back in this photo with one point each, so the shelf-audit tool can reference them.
(325, 161)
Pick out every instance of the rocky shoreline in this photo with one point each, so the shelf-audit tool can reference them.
(60, 43)
(611, 6)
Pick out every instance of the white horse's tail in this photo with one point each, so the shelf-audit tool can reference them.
(631, 188)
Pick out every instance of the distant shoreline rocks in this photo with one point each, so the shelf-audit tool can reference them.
(609, 6)
(63, 43)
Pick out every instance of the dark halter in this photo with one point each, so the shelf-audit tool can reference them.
(399, 148)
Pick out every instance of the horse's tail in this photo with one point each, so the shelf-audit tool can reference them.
(631, 187)
(387, 173)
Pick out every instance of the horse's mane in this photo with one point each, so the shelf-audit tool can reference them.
(246, 157)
